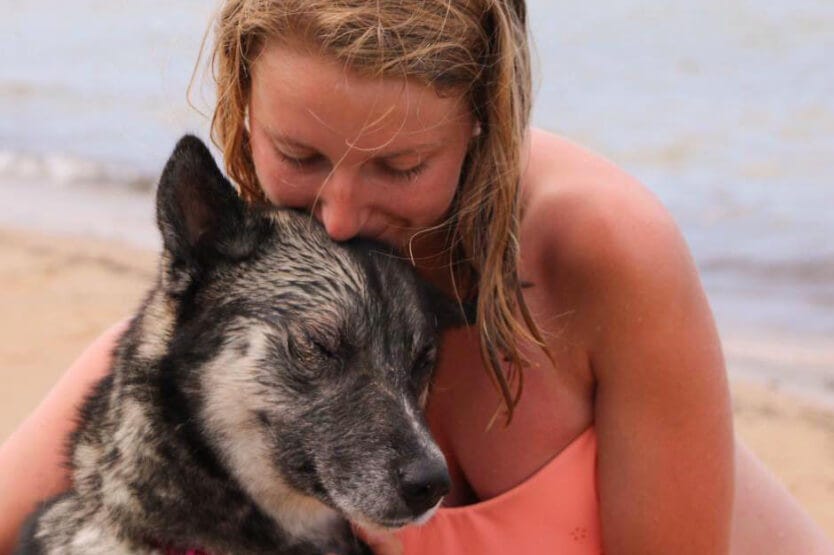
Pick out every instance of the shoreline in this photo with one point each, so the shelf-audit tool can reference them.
(60, 292)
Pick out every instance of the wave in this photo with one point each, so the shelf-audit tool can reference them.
(67, 170)
(809, 271)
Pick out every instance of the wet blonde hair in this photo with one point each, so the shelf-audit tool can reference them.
(473, 47)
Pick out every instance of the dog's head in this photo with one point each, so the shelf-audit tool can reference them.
(301, 361)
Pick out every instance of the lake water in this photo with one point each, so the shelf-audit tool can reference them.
(724, 109)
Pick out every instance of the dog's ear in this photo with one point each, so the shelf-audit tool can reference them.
(195, 204)
(200, 215)
(448, 312)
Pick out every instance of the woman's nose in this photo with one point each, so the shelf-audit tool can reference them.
(340, 207)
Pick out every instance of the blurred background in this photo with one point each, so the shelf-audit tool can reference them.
(725, 109)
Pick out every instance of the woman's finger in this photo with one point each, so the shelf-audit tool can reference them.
(381, 543)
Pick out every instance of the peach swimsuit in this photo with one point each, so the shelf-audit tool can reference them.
(554, 512)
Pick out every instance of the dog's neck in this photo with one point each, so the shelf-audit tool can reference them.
(154, 327)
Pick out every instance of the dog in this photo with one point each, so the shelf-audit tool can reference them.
(266, 394)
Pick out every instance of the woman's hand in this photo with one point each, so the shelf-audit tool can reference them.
(381, 543)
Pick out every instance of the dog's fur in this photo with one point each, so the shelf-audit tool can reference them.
(265, 393)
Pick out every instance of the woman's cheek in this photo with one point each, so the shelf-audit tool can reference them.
(279, 187)
(282, 188)
(271, 185)
(435, 201)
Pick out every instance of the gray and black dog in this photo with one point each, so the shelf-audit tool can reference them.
(266, 393)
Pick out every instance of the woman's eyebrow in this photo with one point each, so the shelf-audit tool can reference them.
(416, 149)
(288, 141)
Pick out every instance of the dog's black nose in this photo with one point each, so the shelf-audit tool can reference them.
(423, 483)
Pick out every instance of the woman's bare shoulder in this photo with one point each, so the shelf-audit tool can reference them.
(588, 220)
(654, 351)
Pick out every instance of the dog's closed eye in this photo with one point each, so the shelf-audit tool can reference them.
(422, 368)
(313, 346)
(425, 358)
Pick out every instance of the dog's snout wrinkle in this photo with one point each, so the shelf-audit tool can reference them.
(385, 389)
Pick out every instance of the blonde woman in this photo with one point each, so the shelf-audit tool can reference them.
(587, 409)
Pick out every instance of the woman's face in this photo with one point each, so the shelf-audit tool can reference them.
(376, 158)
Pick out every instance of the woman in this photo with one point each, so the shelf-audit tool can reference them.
(588, 407)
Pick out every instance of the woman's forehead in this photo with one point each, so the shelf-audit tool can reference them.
(295, 93)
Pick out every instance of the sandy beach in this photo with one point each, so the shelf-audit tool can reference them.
(58, 293)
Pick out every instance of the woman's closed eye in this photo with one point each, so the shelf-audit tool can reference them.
(403, 173)
(317, 161)
(302, 162)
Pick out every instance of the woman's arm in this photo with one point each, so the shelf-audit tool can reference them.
(663, 415)
(671, 477)
(32, 458)
(667, 480)
(662, 408)
(766, 519)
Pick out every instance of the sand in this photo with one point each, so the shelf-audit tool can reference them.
(59, 293)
